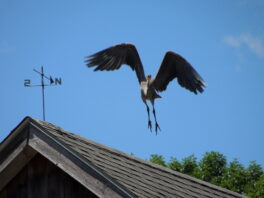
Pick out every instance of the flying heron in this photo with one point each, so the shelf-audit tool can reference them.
(172, 66)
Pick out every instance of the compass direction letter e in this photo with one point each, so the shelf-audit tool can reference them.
(27, 83)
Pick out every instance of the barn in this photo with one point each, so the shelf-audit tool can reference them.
(39, 159)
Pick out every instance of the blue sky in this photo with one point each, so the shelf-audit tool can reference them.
(223, 40)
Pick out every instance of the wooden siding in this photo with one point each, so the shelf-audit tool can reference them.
(40, 178)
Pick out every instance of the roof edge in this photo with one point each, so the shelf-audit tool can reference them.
(114, 183)
(22, 124)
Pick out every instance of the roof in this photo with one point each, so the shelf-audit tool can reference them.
(136, 177)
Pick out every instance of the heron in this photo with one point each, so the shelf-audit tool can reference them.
(173, 66)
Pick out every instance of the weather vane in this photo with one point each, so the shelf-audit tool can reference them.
(52, 82)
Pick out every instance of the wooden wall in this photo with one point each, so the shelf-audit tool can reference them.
(40, 178)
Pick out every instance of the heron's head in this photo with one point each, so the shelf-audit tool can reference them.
(148, 77)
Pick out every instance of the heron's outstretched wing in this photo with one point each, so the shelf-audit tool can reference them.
(113, 57)
(175, 66)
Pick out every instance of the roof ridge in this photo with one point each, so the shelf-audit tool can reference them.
(132, 157)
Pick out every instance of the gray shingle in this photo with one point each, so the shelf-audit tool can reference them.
(141, 177)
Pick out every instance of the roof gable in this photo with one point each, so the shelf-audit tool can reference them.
(127, 175)
(29, 138)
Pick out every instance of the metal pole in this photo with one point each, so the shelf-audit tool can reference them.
(41, 73)
(42, 84)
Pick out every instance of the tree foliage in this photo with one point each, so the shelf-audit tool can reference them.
(158, 159)
(213, 168)
(235, 177)
(189, 164)
(175, 165)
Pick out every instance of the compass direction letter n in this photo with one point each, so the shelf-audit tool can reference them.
(57, 81)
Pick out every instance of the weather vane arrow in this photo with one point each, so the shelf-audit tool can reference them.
(52, 82)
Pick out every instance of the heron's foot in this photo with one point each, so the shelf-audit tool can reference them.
(150, 125)
(157, 128)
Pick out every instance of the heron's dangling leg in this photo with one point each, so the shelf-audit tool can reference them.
(149, 121)
(156, 123)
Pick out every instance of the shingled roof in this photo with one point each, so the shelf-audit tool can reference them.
(134, 176)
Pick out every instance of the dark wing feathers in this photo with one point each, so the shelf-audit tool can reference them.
(172, 66)
(113, 57)
(175, 66)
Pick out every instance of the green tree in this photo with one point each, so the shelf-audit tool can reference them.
(259, 188)
(190, 166)
(175, 165)
(212, 166)
(254, 173)
(157, 159)
(234, 177)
